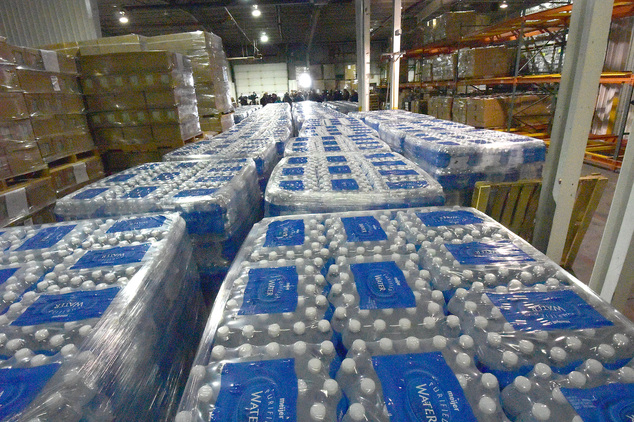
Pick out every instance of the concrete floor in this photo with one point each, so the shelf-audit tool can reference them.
(582, 267)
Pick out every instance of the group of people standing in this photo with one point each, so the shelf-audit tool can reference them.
(297, 96)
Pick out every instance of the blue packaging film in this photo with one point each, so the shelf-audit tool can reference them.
(19, 386)
(270, 290)
(609, 403)
(75, 306)
(120, 255)
(285, 233)
(421, 387)
(449, 218)
(46, 237)
(344, 184)
(257, 391)
(487, 253)
(382, 285)
(140, 223)
(363, 229)
(90, 193)
(556, 310)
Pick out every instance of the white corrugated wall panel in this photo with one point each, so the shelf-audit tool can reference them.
(39, 22)
(261, 78)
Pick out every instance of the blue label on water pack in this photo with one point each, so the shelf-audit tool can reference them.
(68, 307)
(448, 218)
(380, 155)
(345, 184)
(292, 171)
(332, 149)
(214, 179)
(285, 233)
(484, 253)
(140, 223)
(46, 237)
(398, 172)
(329, 142)
(270, 291)
(363, 229)
(121, 177)
(382, 285)
(557, 310)
(186, 165)
(20, 386)
(5, 273)
(292, 185)
(607, 403)
(120, 255)
(147, 166)
(336, 159)
(389, 163)
(298, 160)
(264, 391)
(90, 193)
(195, 192)
(421, 387)
(140, 192)
(339, 169)
(166, 176)
(407, 184)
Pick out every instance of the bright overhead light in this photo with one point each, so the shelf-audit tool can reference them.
(123, 18)
(304, 80)
(503, 5)
(256, 12)
(264, 37)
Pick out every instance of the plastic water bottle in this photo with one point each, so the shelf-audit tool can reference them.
(280, 302)
(290, 381)
(417, 379)
(553, 324)
(589, 393)
(383, 297)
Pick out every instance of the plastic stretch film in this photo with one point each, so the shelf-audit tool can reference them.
(93, 319)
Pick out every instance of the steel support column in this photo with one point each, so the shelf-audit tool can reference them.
(583, 63)
(363, 53)
(396, 55)
(612, 276)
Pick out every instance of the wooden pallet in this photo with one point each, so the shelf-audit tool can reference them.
(73, 158)
(17, 180)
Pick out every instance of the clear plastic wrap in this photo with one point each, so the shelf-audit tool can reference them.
(333, 144)
(219, 200)
(93, 319)
(243, 112)
(422, 380)
(347, 182)
(516, 327)
(344, 107)
(24, 199)
(590, 393)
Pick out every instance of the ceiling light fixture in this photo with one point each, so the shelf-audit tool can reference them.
(256, 12)
(264, 37)
(304, 80)
(123, 18)
(503, 5)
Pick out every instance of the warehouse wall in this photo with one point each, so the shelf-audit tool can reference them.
(39, 22)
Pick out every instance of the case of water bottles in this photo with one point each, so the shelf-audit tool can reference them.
(422, 313)
(332, 144)
(220, 200)
(346, 182)
(93, 319)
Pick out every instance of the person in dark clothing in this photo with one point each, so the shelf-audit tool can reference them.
(330, 96)
(337, 96)
(354, 97)
(274, 98)
(346, 95)
(313, 96)
(253, 98)
(287, 98)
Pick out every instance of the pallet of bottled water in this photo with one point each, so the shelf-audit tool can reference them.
(348, 181)
(220, 200)
(344, 107)
(407, 314)
(333, 144)
(93, 319)
(305, 110)
(263, 151)
(243, 112)
(336, 127)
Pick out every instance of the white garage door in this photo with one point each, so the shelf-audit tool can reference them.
(261, 78)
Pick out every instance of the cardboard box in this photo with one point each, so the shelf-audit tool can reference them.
(21, 157)
(35, 81)
(16, 130)
(115, 161)
(9, 81)
(13, 106)
(117, 138)
(132, 82)
(52, 104)
(6, 52)
(459, 109)
(146, 61)
(172, 133)
(24, 199)
(70, 177)
(487, 62)
(112, 45)
(350, 71)
(111, 102)
(54, 147)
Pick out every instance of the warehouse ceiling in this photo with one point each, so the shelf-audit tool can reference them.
(290, 22)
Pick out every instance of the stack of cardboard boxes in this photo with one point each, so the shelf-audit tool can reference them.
(140, 104)
(493, 111)
(46, 147)
(451, 26)
(211, 75)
